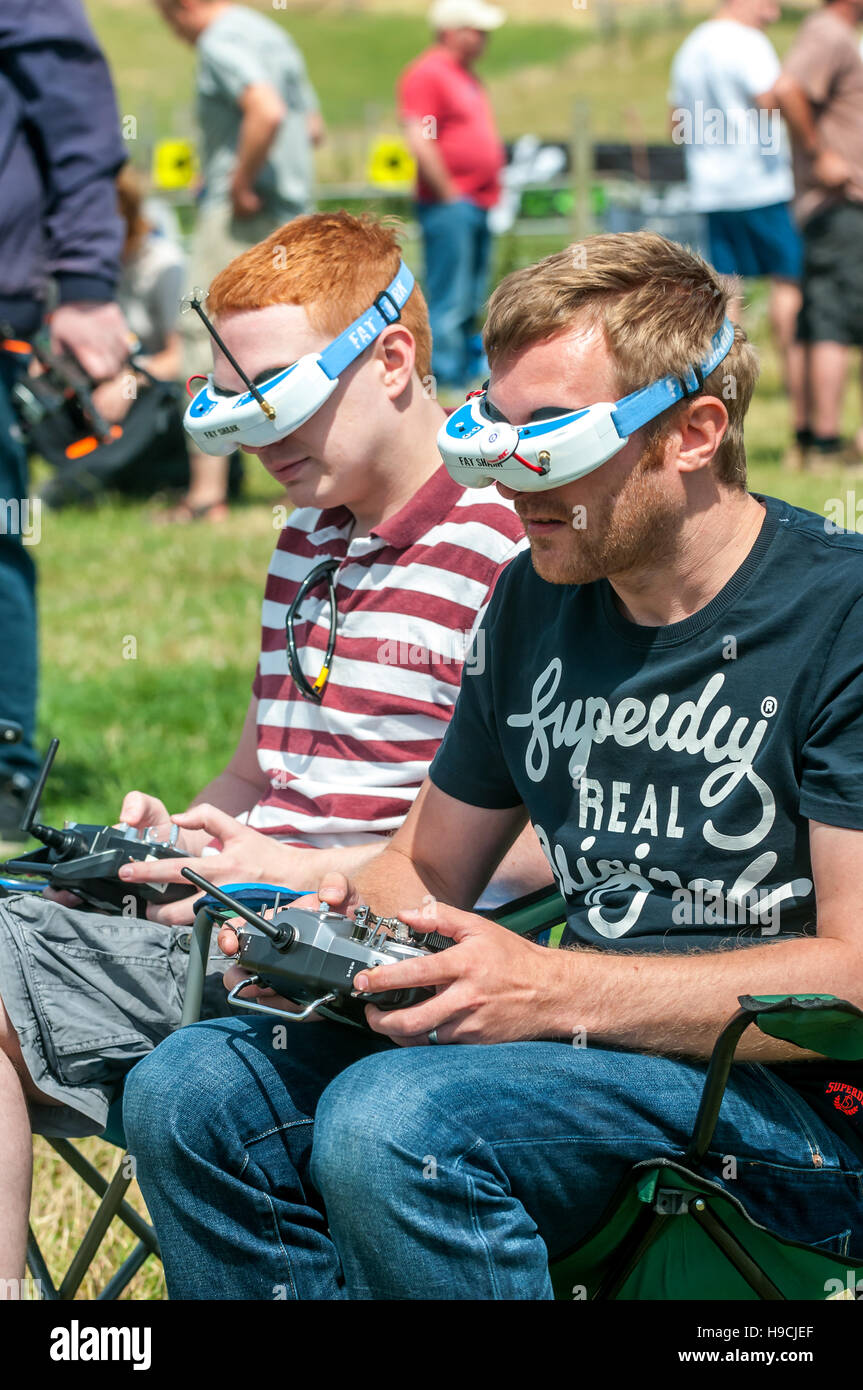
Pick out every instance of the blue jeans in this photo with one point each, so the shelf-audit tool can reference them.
(457, 245)
(339, 1166)
(17, 591)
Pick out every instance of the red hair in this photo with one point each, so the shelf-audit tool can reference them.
(334, 265)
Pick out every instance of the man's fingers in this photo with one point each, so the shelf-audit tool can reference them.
(414, 1024)
(228, 941)
(234, 974)
(334, 889)
(95, 333)
(310, 901)
(438, 969)
(159, 870)
(141, 809)
(62, 896)
(133, 808)
(97, 364)
(206, 817)
(179, 914)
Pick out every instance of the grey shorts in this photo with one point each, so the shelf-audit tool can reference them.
(88, 997)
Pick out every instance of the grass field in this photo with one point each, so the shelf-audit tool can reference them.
(149, 634)
(536, 71)
(353, 58)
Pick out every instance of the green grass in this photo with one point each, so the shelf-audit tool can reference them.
(149, 643)
(536, 73)
(353, 59)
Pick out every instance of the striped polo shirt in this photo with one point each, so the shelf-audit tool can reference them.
(409, 596)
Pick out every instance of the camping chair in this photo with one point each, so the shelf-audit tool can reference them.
(113, 1193)
(670, 1233)
(528, 914)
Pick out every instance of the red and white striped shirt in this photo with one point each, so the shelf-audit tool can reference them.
(409, 597)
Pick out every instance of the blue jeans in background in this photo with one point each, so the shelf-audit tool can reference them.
(457, 245)
(336, 1165)
(18, 637)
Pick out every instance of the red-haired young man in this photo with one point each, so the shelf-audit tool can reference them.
(327, 768)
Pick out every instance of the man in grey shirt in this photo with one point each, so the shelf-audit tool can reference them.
(259, 118)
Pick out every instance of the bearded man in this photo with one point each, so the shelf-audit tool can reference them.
(673, 696)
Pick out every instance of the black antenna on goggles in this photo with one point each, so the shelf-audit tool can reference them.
(194, 300)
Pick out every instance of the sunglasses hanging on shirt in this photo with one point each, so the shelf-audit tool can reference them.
(326, 570)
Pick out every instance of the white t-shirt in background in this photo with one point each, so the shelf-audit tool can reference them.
(737, 156)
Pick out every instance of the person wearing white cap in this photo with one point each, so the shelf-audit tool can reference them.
(452, 133)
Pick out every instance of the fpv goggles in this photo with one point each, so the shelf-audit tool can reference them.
(479, 449)
(219, 421)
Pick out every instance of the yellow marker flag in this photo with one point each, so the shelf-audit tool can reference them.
(175, 164)
(391, 164)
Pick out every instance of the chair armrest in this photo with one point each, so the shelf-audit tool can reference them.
(534, 912)
(817, 1022)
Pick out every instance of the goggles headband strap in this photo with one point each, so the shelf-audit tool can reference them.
(642, 406)
(386, 309)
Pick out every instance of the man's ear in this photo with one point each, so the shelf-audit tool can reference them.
(396, 352)
(700, 430)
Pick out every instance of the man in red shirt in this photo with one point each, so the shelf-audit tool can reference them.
(451, 131)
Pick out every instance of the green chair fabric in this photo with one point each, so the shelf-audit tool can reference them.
(670, 1233)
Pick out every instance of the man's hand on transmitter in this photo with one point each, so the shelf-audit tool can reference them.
(333, 889)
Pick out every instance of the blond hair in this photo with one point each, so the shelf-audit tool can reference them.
(658, 304)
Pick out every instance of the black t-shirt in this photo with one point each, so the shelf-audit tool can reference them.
(671, 772)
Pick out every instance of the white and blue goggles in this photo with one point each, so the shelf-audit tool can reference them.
(219, 421)
(479, 446)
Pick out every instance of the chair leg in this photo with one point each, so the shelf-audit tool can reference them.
(640, 1237)
(126, 1273)
(112, 1195)
(38, 1268)
(733, 1251)
(93, 1178)
(94, 1235)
